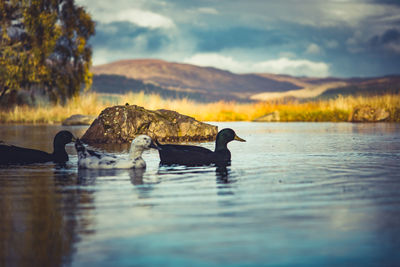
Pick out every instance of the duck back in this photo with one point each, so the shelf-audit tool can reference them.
(20, 155)
(191, 155)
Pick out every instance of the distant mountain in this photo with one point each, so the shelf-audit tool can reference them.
(366, 86)
(118, 84)
(189, 78)
(211, 84)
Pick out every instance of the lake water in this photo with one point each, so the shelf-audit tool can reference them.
(306, 194)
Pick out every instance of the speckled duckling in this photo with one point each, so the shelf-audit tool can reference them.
(90, 159)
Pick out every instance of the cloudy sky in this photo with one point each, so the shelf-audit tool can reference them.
(343, 38)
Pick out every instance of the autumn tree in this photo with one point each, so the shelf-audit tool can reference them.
(44, 46)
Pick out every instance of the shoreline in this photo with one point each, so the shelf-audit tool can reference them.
(339, 109)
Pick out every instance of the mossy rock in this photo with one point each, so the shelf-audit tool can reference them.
(369, 114)
(121, 124)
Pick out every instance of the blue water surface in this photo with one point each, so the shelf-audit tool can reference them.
(304, 194)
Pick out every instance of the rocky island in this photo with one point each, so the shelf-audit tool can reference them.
(121, 124)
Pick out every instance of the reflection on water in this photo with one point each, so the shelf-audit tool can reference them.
(295, 194)
(39, 224)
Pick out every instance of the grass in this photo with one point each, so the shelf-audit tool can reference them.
(335, 110)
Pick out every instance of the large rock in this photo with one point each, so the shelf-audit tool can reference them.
(369, 114)
(121, 124)
(79, 119)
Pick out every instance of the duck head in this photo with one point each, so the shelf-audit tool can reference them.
(60, 140)
(139, 144)
(224, 137)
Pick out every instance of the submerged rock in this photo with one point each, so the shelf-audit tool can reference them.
(79, 119)
(121, 124)
(270, 117)
(369, 114)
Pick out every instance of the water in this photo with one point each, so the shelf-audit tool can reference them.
(311, 194)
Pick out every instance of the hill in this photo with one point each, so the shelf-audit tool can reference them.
(216, 83)
(117, 84)
(177, 80)
(368, 86)
(324, 88)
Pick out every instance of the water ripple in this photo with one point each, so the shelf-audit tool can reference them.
(295, 194)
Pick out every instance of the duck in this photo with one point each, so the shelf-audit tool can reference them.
(188, 155)
(89, 159)
(10, 154)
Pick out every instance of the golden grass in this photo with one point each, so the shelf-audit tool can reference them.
(337, 109)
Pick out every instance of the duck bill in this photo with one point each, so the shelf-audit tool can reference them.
(152, 145)
(237, 138)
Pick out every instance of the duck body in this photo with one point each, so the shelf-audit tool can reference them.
(10, 154)
(21, 155)
(89, 159)
(184, 155)
(198, 156)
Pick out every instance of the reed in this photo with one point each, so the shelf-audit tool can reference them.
(337, 109)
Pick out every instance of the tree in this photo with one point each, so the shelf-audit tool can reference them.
(44, 45)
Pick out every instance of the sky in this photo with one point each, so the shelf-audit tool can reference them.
(315, 38)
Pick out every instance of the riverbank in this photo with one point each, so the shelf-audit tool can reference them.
(334, 110)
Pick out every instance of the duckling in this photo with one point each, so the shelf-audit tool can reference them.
(197, 156)
(90, 159)
(19, 155)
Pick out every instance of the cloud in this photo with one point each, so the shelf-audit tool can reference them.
(103, 56)
(390, 36)
(389, 40)
(356, 43)
(139, 17)
(295, 67)
(126, 11)
(356, 37)
(118, 40)
(243, 37)
(216, 60)
(313, 49)
(331, 44)
(395, 47)
(299, 67)
(351, 13)
(208, 10)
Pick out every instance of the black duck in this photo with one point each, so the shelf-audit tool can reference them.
(19, 155)
(197, 156)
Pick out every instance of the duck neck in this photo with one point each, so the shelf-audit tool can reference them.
(220, 145)
(136, 152)
(59, 153)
